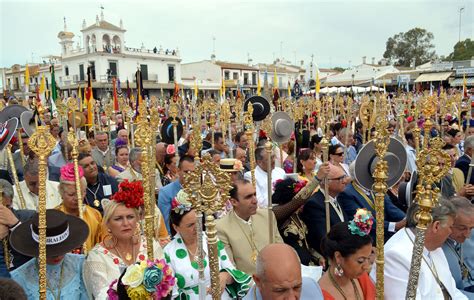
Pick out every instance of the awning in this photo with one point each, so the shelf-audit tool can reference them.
(460, 81)
(428, 77)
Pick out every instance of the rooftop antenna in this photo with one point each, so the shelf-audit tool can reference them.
(65, 27)
(102, 12)
(214, 45)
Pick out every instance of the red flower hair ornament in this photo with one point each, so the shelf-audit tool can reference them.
(130, 194)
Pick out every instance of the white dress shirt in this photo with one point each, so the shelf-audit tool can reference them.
(398, 252)
(53, 199)
(411, 155)
(261, 183)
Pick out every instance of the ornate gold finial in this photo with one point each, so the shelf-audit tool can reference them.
(209, 187)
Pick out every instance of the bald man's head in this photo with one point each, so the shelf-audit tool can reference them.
(337, 180)
(160, 152)
(278, 278)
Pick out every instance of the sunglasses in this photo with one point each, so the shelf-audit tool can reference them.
(339, 154)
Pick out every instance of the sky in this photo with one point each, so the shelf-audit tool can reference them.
(337, 33)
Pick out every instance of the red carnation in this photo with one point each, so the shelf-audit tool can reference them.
(130, 194)
(344, 123)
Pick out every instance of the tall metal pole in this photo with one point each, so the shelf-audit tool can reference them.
(460, 12)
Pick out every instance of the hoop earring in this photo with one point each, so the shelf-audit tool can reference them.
(110, 241)
(338, 271)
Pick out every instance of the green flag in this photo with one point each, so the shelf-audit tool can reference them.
(54, 93)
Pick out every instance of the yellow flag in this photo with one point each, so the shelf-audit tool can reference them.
(318, 82)
(289, 90)
(42, 89)
(195, 89)
(259, 87)
(275, 79)
(223, 88)
(27, 77)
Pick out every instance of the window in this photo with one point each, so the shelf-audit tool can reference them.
(17, 83)
(171, 73)
(66, 71)
(144, 70)
(9, 83)
(246, 78)
(254, 78)
(226, 75)
(302, 77)
(280, 82)
(113, 68)
(235, 76)
(81, 73)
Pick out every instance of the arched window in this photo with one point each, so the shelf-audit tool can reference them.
(116, 43)
(106, 47)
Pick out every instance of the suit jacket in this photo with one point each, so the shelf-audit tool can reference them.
(350, 200)
(165, 197)
(235, 235)
(314, 216)
(452, 256)
(463, 164)
(101, 159)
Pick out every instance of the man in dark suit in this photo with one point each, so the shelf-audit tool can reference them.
(314, 211)
(463, 162)
(354, 196)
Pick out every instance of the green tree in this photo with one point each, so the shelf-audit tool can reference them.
(414, 45)
(463, 50)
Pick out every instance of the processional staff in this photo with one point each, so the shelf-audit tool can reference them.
(432, 165)
(144, 134)
(248, 121)
(6, 252)
(42, 143)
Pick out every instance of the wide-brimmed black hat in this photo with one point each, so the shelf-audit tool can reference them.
(167, 130)
(12, 111)
(396, 157)
(7, 131)
(64, 233)
(261, 107)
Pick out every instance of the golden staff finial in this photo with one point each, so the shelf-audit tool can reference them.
(209, 187)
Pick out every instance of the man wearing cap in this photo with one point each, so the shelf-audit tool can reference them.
(261, 158)
(103, 155)
(233, 167)
(29, 188)
(64, 233)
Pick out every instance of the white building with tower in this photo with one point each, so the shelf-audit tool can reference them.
(105, 52)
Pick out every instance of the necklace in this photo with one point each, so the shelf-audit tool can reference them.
(128, 256)
(339, 289)
(58, 293)
(96, 201)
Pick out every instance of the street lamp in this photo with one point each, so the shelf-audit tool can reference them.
(460, 12)
(353, 75)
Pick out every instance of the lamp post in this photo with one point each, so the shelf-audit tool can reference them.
(352, 87)
(460, 12)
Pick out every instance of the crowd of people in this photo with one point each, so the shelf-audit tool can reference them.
(88, 251)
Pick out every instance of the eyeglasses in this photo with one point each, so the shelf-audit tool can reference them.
(339, 154)
(339, 178)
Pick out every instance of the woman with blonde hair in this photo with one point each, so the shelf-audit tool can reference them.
(123, 245)
(69, 205)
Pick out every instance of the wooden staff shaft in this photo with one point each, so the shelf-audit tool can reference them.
(268, 149)
(15, 177)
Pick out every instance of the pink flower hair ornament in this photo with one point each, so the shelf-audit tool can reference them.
(68, 174)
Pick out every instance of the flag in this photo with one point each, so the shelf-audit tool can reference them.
(195, 89)
(289, 89)
(318, 82)
(54, 92)
(114, 93)
(464, 86)
(89, 96)
(259, 87)
(79, 96)
(139, 81)
(176, 91)
(223, 88)
(27, 78)
(128, 90)
(42, 90)
(275, 79)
